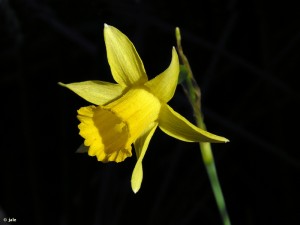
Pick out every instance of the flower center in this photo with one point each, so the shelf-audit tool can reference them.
(138, 108)
(110, 130)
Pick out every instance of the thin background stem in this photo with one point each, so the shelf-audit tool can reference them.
(193, 93)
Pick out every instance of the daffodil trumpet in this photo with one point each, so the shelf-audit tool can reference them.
(129, 111)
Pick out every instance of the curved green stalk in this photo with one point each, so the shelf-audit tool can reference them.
(193, 93)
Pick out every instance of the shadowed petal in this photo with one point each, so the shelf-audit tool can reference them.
(82, 149)
(141, 145)
(164, 85)
(175, 125)
(96, 92)
(126, 66)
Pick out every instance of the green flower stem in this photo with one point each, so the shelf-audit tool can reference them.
(193, 94)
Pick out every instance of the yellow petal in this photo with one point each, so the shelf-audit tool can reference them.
(164, 85)
(141, 145)
(126, 66)
(96, 92)
(175, 125)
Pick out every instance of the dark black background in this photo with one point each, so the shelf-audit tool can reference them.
(245, 56)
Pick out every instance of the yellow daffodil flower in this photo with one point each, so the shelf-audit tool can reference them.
(128, 112)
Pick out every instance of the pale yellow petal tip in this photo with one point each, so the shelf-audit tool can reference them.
(106, 25)
(62, 84)
(174, 52)
(136, 179)
(223, 140)
(135, 188)
(226, 140)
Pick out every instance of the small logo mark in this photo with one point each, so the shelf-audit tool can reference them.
(9, 220)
